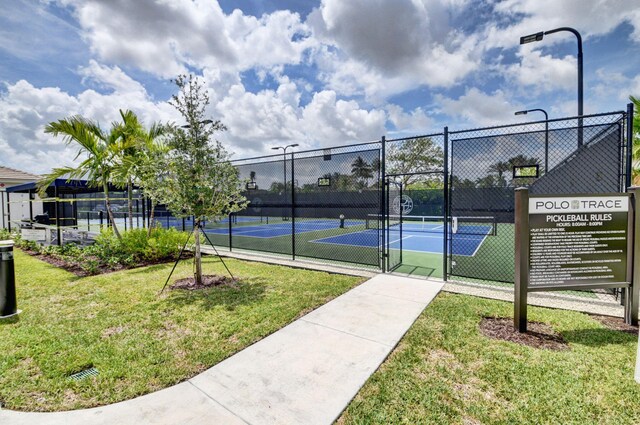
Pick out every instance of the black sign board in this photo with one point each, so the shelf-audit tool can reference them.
(252, 186)
(576, 241)
(526, 171)
(324, 181)
(571, 242)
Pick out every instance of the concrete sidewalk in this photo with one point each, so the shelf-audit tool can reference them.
(306, 372)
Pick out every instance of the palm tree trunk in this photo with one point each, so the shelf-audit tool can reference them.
(198, 256)
(107, 201)
(130, 201)
(152, 217)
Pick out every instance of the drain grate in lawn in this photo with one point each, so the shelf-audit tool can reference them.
(92, 371)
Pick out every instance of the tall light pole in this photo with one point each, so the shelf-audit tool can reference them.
(546, 134)
(284, 162)
(538, 37)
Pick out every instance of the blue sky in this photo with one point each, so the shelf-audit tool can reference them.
(318, 73)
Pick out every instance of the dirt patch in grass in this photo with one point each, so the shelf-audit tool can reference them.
(208, 281)
(112, 331)
(538, 335)
(616, 324)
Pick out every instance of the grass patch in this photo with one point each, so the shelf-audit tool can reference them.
(140, 342)
(445, 371)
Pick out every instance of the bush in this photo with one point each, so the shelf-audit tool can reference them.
(108, 252)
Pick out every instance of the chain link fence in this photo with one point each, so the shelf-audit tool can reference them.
(487, 164)
(313, 204)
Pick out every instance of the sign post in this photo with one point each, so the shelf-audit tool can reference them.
(522, 258)
(573, 242)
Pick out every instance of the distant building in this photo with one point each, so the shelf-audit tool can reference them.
(19, 207)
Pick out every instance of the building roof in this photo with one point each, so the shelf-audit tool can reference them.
(12, 174)
(62, 187)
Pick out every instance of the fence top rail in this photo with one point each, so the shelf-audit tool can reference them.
(604, 114)
(417, 173)
(308, 151)
(541, 131)
(402, 139)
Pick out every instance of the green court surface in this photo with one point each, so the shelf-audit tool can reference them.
(494, 259)
(305, 237)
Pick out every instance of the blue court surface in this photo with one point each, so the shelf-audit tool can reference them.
(281, 229)
(417, 241)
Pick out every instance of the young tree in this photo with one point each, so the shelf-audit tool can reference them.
(201, 182)
(419, 155)
(96, 146)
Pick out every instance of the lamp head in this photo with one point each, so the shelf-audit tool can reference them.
(521, 113)
(532, 37)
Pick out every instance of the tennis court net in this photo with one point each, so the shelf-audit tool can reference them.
(486, 225)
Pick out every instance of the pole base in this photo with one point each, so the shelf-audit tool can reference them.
(11, 315)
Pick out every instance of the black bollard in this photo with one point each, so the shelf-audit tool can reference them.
(8, 305)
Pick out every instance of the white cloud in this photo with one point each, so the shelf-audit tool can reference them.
(589, 17)
(479, 108)
(543, 72)
(25, 110)
(337, 122)
(411, 122)
(256, 121)
(169, 37)
(379, 48)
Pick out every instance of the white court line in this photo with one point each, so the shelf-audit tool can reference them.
(401, 239)
(479, 245)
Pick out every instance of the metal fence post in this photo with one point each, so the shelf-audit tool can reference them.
(8, 212)
(445, 241)
(634, 247)
(629, 159)
(230, 232)
(58, 217)
(293, 207)
(383, 208)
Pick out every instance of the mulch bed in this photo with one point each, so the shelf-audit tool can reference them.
(538, 335)
(616, 324)
(75, 268)
(208, 281)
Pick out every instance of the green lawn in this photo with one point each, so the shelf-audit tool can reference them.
(139, 341)
(444, 371)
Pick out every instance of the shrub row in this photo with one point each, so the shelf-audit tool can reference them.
(110, 253)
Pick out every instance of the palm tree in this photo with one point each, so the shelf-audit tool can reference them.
(138, 152)
(126, 150)
(500, 168)
(361, 170)
(96, 145)
(151, 166)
